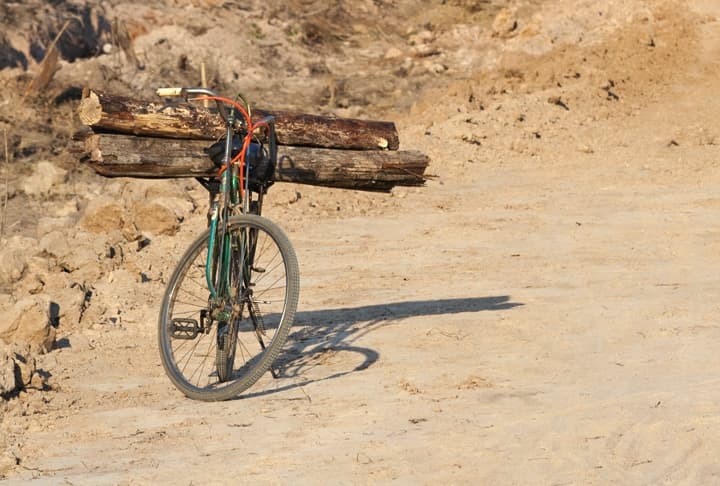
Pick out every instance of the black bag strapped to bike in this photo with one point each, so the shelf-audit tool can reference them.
(260, 159)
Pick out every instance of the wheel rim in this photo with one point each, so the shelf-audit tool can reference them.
(259, 304)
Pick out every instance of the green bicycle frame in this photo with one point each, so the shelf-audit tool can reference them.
(229, 189)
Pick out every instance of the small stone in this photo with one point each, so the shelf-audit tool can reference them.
(46, 176)
(393, 53)
(38, 382)
(398, 192)
(422, 37)
(48, 224)
(8, 460)
(26, 324)
(180, 206)
(25, 363)
(8, 383)
(586, 149)
(66, 209)
(102, 215)
(153, 218)
(505, 23)
(79, 258)
(14, 255)
(55, 243)
(425, 50)
(437, 67)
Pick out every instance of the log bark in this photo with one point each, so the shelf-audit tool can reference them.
(128, 156)
(120, 114)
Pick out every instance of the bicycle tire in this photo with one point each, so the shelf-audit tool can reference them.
(226, 340)
(181, 319)
(225, 355)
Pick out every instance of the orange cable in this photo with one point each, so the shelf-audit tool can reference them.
(246, 142)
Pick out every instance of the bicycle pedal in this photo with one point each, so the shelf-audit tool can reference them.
(182, 328)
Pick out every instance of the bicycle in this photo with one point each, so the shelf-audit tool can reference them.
(229, 304)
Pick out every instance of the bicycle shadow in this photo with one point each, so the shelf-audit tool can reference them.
(321, 333)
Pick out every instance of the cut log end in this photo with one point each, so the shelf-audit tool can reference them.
(90, 110)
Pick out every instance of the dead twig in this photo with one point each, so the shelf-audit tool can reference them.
(48, 66)
(5, 197)
(556, 100)
(203, 83)
(306, 395)
(121, 37)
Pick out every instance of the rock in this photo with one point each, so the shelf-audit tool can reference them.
(95, 315)
(393, 53)
(585, 148)
(181, 207)
(48, 224)
(27, 324)
(46, 178)
(8, 382)
(25, 366)
(79, 343)
(79, 257)
(56, 281)
(97, 244)
(17, 368)
(8, 460)
(505, 23)
(425, 50)
(154, 218)
(37, 382)
(83, 263)
(55, 243)
(435, 67)
(33, 280)
(422, 37)
(103, 215)
(12, 267)
(66, 209)
(14, 253)
(31, 284)
(70, 301)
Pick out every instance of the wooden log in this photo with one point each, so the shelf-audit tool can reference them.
(115, 155)
(120, 114)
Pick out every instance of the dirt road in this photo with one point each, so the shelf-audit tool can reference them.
(543, 312)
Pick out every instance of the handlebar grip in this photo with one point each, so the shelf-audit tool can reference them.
(169, 92)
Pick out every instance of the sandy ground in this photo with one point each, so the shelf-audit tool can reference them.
(543, 312)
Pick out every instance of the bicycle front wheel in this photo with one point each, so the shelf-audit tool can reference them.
(208, 358)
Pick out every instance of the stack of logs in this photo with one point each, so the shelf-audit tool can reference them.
(136, 138)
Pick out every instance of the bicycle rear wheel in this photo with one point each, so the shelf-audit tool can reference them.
(263, 296)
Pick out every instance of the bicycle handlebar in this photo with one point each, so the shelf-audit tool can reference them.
(174, 92)
(169, 92)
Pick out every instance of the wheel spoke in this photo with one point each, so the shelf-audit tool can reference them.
(199, 363)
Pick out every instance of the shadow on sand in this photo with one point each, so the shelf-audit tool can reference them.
(333, 330)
